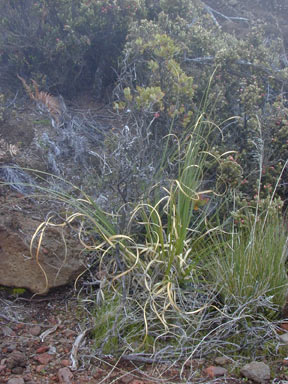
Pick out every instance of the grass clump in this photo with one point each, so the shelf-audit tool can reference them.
(249, 262)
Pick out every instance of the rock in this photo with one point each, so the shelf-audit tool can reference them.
(11, 347)
(65, 363)
(65, 376)
(214, 371)
(44, 358)
(7, 331)
(17, 370)
(284, 338)
(70, 334)
(16, 380)
(2, 367)
(28, 378)
(42, 349)
(284, 326)
(36, 330)
(222, 360)
(19, 269)
(16, 359)
(256, 371)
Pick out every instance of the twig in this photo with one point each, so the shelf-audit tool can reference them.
(74, 352)
(12, 102)
(203, 59)
(213, 11)
(208, 59)
(48, 331)
(142, 359)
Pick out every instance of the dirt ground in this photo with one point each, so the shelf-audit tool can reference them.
(38, 339)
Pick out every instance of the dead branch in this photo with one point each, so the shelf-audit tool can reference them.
(212, 12)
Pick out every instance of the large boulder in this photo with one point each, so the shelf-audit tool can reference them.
(59, 262)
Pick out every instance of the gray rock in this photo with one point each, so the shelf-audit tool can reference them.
(16, 359)
(35, 330)
(222, 360)
(256, 371)
(7, 331)
(213, 371)
(17, 370)
(65, 376)
(16, 380)
(11, 347)
(284, 338)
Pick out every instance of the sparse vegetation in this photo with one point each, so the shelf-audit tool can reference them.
(189, 247)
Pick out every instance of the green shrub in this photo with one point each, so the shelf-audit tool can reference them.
(69, 45)
(176, 52)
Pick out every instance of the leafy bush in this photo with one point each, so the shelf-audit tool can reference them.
(167, 64)
(70, 45)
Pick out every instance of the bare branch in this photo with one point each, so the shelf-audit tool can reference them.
(212, 12)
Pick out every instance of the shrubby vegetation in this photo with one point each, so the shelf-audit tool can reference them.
(69, 45)
(196, 251)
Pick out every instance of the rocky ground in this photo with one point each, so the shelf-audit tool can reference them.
(47, 340)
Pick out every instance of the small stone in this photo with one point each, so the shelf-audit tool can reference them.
(11, 347)
(256, 371)
(285, 362)
(69, 333)
(42, 349)
(27, 377)
(17, 370)
(16, 380)
(65, 363)
(214, 371)
(284, 338)
(16, 359)
(222, 360)
(284, 326)
(195, 363)
(36, 330)
(7, 331)
(65, 376)
(43, 358)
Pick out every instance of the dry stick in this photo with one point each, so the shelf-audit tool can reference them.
(209, 59)
(213, 11)
(74, 352)
(143, 359)
(110, 373)
(48, 331)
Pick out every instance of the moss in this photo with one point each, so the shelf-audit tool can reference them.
(15, 292)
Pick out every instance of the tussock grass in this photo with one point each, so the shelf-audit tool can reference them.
(249, 262)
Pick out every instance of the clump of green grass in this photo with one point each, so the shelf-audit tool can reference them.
(249, 262)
